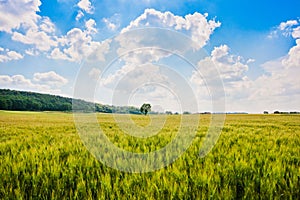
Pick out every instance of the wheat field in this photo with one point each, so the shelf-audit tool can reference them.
(43, 157)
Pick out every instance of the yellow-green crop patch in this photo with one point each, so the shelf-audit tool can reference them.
(256, 157)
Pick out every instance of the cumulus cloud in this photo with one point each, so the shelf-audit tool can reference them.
(14, 13)
(218, 73)
(19, 82)
(48, 82)
(288, 28)
(140, 56)
(287, 25)
(47, 25)
(296, 32)
(50, 78)
(112, 23)
(86, 5)
(28, 27)
(78, 44)
(292, 27)
(197, 26)
(231, 68)
(20, 19)
(146, 45)
(270, 91)
(277, 84)
(293, 57)
(278, 88)
(140, 49)
(91, 26)
(8, 55)
(15, 80)
(32, 52)
(40, 39)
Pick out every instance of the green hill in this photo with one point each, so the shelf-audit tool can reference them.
(32, 101)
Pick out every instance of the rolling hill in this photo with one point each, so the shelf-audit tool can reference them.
(32, 101)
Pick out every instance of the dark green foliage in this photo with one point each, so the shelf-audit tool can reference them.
(31, 101)
(145, 108)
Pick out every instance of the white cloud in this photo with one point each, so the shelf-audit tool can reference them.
(32, 52)
(45, 82)
(293, 57)
(20, 19)
(288, 24)
(39, 32)
(58, 55)
(144, 46)
(139, 50)
(86, 5)
(78, 44)
(8, 55)
(91, 26)
(288, 28)
(116, 76)
(160, 85)
(14, 55)
(251, 60)
(135, 55)
(296, 32)
(50, 78)
(270, 91)
(137, 69)
(279, 87)
(79, 15)
(18, 80)
(16, 13)
(196, 26)
(95, 73)
(112, 23)
(47, 25)
(280, 82)
(40, 39)
(218, 73)
(231, 67)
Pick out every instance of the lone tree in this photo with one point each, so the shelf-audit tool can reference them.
(146, 107)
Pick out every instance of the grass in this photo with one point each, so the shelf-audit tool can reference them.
(256, 157)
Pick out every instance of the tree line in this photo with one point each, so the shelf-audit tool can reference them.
(32, 101)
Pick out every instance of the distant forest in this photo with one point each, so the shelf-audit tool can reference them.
(31, 101)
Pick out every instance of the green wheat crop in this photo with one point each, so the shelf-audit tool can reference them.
(256, 157)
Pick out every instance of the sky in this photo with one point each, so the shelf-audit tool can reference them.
(191, 55)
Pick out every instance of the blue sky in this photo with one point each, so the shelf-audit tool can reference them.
(253, 45)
